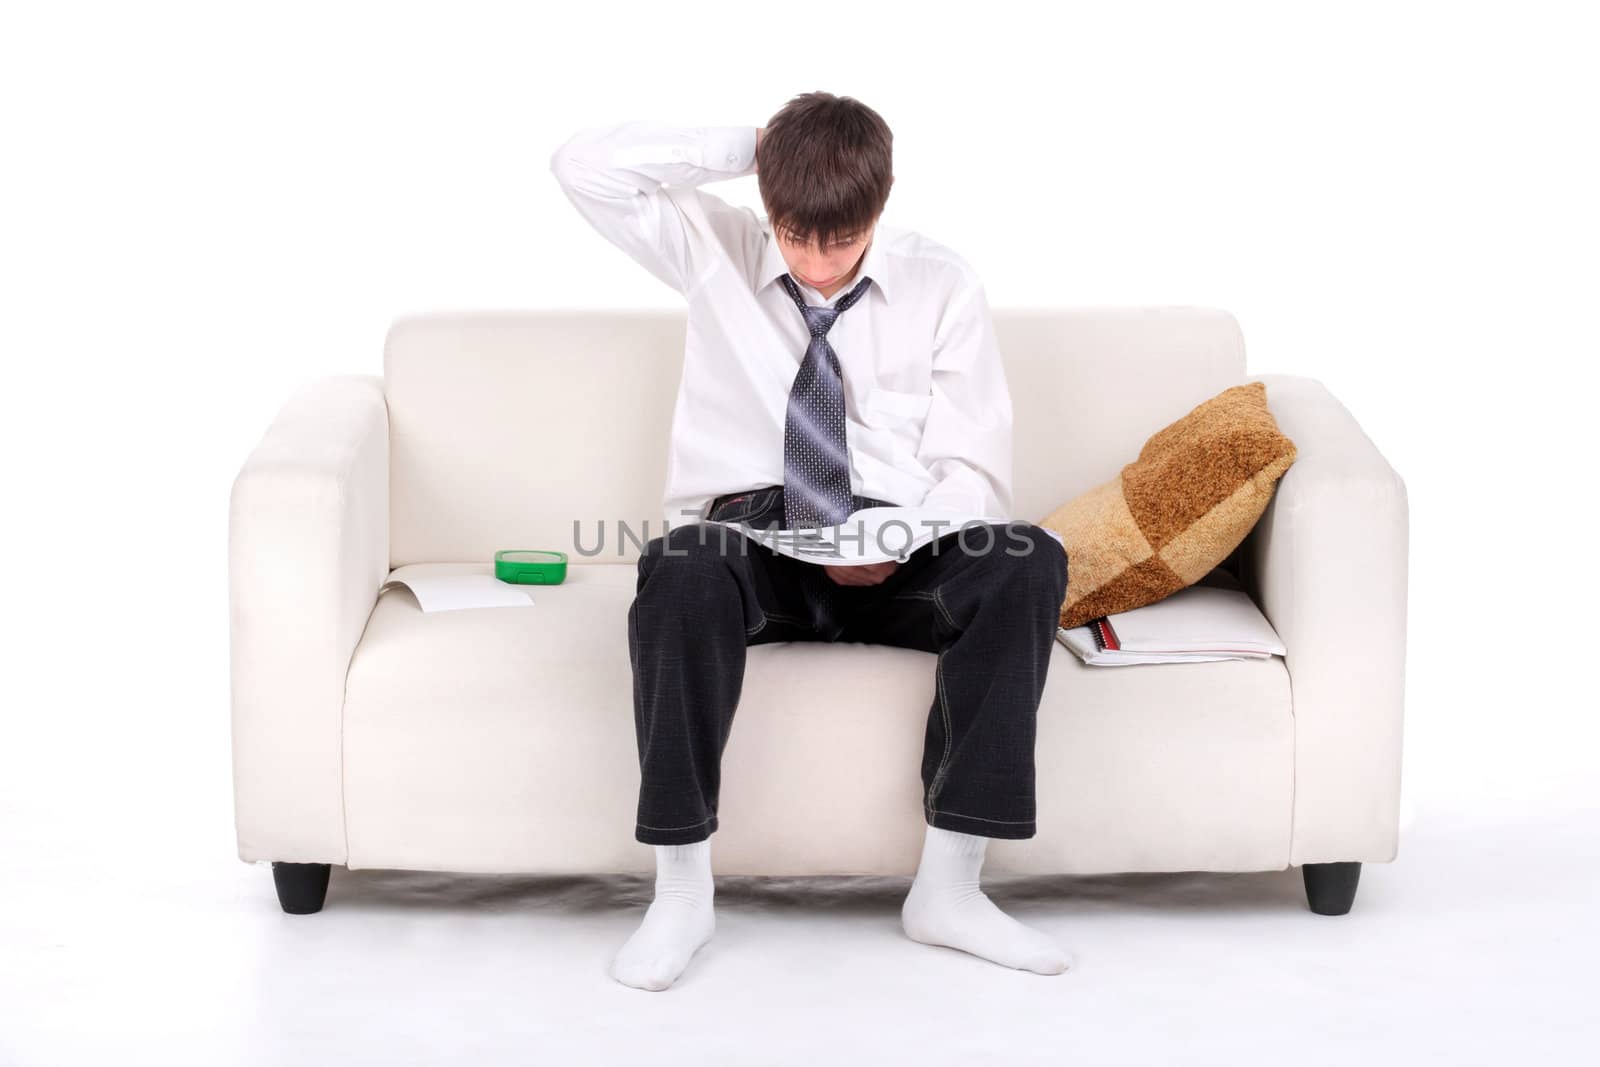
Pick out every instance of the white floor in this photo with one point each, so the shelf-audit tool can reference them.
(1477, 945)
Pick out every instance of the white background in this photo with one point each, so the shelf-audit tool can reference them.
(205, 205)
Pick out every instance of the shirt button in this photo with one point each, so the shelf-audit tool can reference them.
(733, 157)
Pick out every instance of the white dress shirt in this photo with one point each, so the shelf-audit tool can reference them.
(927, 408)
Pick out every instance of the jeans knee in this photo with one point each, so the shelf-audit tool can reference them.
(696, 548)
(1030, 551)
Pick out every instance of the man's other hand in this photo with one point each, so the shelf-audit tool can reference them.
(861, 574)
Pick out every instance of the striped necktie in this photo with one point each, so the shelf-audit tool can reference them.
(816, 457)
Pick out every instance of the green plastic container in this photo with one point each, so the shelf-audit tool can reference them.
(530, 566)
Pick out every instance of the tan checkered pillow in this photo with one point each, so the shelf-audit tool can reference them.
(1177, 511)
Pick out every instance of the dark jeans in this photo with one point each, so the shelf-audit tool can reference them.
(986, 600)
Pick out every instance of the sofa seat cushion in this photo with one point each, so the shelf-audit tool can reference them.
(502, 740)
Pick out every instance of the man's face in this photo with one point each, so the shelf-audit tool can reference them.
(825, 269)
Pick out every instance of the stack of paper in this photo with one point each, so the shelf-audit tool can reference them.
(1200, 622)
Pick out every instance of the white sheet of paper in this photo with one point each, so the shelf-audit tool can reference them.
(452, 592)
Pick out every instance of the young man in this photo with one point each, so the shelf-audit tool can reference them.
(833, 363)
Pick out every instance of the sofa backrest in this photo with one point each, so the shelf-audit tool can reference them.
(507, 428)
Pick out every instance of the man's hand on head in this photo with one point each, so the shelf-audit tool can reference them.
(861, 574)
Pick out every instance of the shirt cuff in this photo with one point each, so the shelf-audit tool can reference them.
(964, 492)
(728, 148)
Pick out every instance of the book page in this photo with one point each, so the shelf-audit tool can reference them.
(871, 535)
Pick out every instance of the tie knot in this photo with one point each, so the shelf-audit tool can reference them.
(820, 320)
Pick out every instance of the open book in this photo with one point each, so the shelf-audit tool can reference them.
(873, 535)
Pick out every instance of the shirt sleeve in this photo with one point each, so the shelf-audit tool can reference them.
(634, 183)
(966, 439)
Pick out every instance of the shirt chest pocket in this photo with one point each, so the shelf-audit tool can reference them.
(892, 409)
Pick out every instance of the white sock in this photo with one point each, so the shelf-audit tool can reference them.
(946, 907)
(678, 921)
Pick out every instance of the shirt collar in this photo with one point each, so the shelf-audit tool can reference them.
(874, 264)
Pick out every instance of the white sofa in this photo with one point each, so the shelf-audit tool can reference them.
(367, 734)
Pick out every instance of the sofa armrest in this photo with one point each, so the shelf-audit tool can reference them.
(1327, 564)
(308, 550)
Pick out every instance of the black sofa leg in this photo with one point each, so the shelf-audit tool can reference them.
(302, 887)
(1331, 887)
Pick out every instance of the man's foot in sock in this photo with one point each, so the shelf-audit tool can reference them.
(946, 907)
(678, 921)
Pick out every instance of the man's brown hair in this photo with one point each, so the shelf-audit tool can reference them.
(824, 167)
